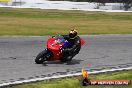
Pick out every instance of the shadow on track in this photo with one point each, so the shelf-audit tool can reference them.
(73, 62)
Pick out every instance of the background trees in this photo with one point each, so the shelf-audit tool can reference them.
(126, 3)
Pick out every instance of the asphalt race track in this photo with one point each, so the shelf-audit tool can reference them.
(17, 56)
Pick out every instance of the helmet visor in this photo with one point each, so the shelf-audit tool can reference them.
(72, 35)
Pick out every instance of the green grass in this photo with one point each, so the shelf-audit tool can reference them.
(49, 22)
(73, 82)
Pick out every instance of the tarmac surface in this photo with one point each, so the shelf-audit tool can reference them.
(17, 56)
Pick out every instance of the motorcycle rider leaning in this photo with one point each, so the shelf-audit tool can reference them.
(75, 45)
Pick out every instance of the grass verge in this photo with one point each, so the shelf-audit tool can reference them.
(48, 22)
(73, 82)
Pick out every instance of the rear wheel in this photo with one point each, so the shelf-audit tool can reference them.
(66, 59)
(63, 60)
(41, 57)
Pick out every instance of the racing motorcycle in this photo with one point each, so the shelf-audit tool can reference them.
(52, 51)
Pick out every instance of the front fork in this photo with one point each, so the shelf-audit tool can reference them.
(49, 54)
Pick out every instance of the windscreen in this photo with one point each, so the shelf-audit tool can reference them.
(60, 39)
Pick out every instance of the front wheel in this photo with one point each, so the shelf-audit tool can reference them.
(41, 57)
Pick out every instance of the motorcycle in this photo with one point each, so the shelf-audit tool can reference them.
(52, 51)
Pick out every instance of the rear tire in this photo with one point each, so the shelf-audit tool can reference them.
(65, 59)
(41, 57)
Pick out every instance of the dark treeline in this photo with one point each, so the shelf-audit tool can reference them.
(126, 3)
(100, 1)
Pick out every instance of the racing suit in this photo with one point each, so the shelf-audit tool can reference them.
(73, 49)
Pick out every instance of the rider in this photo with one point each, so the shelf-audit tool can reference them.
(75, 45)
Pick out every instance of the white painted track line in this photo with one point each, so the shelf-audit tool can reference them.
(60, 76)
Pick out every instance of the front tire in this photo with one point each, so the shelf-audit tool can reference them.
(41, 57)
